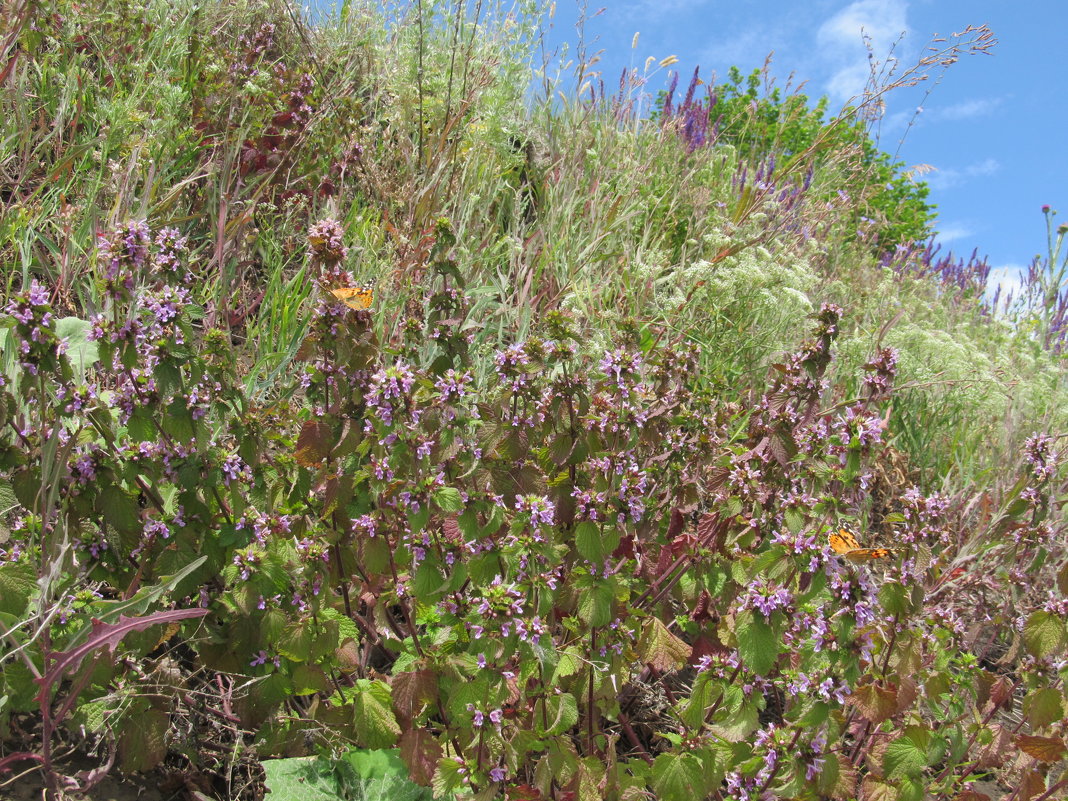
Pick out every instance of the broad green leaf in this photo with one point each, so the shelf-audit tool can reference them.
(1043, 706)
(1043, 634)
(18, 584)
(449, 500)
(300, 779)
(758, 644)
(82, 353)
(588, 542)
(906, 755)
(568, 665)
(295, 641)
(142, 744)
(120, 509)
(894, 598)
(701, 697)
(308, 679)
(595, 604)
(376, 725)
(678, 777)
(448, 777)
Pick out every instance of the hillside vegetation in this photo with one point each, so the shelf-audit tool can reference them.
(386, 412)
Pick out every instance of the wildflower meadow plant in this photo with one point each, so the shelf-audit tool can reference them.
(487, 572)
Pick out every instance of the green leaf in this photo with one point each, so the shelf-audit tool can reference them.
(142, 744)
(894, 597)
(120, 509)
(380, 774)
(18, 584)
(417, 520)
(907, 755)
(294, 643)
(308, 679)
(1043, 634)
(82, 353)
(448, 777)
(588, 542)
(449, 500)
(301, 779)
(795, 519)
(569, 664)
(1043, 706)
(678, 777)
(701, 698)
(595, 604)
(658, 647)
(757, 643)
(560, 714)
(376, 725)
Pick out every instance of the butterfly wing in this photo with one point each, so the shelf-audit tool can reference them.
(355, 297)
(845, 544)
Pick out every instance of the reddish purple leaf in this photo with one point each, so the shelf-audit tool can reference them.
(109, 635)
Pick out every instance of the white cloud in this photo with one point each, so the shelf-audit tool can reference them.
(951, 233)
(965, 110)
(1007, 276)
(841, 42)
(947, 179)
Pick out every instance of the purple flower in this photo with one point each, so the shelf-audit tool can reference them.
(541, 509)
(235, 469)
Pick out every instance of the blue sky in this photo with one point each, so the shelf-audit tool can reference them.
(993, 129)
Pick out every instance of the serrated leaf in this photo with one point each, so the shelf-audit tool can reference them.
(18, 584)
(420, 751)
(568, 665)
(308, 679)
(413, 690)
(447, 777)
(107, 635)
(894, 599)
(876, 702)
(677, 777)
(1043, 706)
(143, 742)
(588, 542)
(595, 604)
(120, 509)
(907, 755)
(294, 643)
(1044, 749)
(372, 710)
(998, 750)
(82, 352)
(757, 643)
(1043, 634)
(314, 442)
(449, 500)
(874, 790)
(658, 647)
(300, 779)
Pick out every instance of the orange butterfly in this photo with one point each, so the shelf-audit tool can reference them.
(845, 545)
(355, 297)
